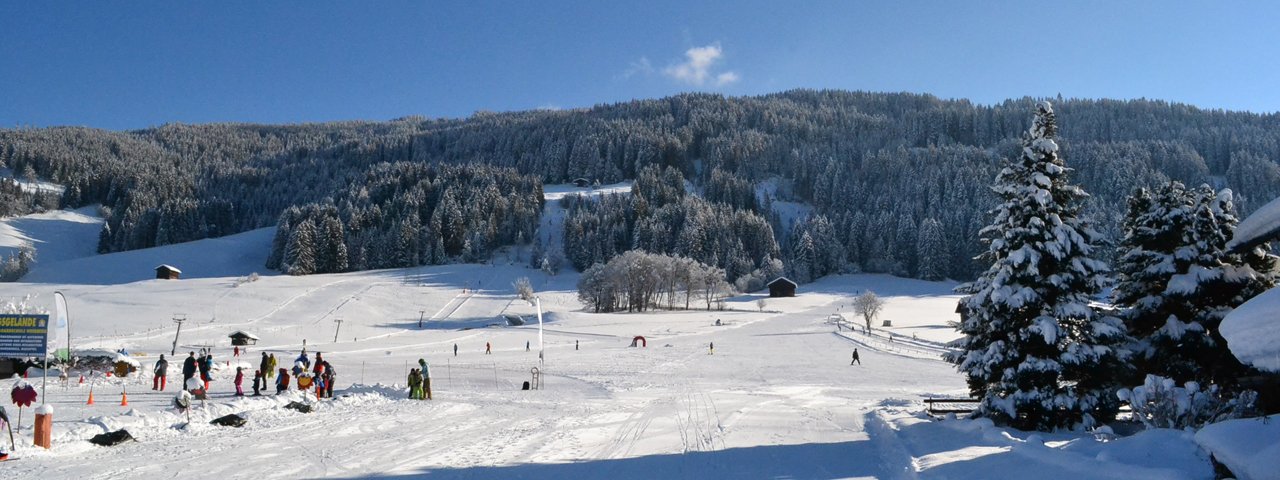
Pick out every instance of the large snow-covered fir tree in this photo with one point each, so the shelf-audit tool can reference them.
(1034, 351)
(1177, 282)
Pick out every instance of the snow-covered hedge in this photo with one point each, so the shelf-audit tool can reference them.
(1160, 403)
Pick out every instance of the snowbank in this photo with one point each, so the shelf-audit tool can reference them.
(1253, 331)
(1263, 225)
(1250, 447)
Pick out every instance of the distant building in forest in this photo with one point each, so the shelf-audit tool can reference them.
(782, 287)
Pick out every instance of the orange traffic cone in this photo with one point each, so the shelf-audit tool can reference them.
(124, 399)
(90, 402)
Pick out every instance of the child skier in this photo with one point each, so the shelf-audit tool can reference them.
(415, 384)
(258, 383)
(239, 381)
(161, 371)
(282, 381)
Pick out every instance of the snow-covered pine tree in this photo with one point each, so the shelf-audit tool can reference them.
(1206, 284)
(335, 248)
(300, 254)
(931, 251)
(1177, 282)
(1156, 226)
(1034, 351)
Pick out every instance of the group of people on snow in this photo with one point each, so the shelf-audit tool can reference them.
(420, 381)
(321, 375)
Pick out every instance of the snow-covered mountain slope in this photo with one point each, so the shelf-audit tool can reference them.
(229, 256)
(56, 235)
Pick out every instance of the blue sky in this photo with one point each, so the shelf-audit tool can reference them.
(123, 65)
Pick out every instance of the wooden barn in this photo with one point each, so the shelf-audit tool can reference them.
(581, 182)
(241, 338)
(782, 287)
(168, 272)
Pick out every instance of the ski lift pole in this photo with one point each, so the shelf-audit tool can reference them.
(541, 349)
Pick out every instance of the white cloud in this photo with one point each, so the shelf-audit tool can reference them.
(638, 67)
(697, 67)
(726, 78)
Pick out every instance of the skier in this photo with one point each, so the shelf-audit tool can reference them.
(205, 368)
(575, 345)
(455, 349)
(711, 348)
(235, 352)
(189, 367)
(855, 358)
(319, 368)
(259, 381)
(282, 381)
(239, 381)
(265, 365)
(488, 349)
(306, 362)
(415, 384)
(526, 345)
(161, 374)
(329, 377)
(271, 366)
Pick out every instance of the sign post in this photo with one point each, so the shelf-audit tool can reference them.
(27, 335)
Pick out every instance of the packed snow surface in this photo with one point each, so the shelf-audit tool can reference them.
(777, 399)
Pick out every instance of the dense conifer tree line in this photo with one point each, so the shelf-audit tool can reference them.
(877, 166)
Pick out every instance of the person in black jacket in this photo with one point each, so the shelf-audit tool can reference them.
(161, 374)
(189, 367)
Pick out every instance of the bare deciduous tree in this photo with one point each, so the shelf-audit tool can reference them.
(868, 305)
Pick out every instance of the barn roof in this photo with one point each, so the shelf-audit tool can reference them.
(168, 267)
(244, 334)
(782, 279)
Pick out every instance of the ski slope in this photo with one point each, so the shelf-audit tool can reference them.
(776, 398)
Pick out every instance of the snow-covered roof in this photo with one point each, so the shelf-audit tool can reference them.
(1262, 226)
(1252, 331)
(242, 333)
(782, 279)
(102, 352)
(169, 267)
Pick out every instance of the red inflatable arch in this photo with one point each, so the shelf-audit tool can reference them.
(640, 339)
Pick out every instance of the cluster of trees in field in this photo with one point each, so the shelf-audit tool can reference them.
(409, 214)
(1037, 350)
(636, 281)
(882, 169)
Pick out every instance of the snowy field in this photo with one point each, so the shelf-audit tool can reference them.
(777, 398)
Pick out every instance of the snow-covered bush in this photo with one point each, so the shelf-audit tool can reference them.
(1160, 403)
(524, 288)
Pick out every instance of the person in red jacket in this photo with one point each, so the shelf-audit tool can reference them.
(282, 381)
(239, 381)
(318, 370)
